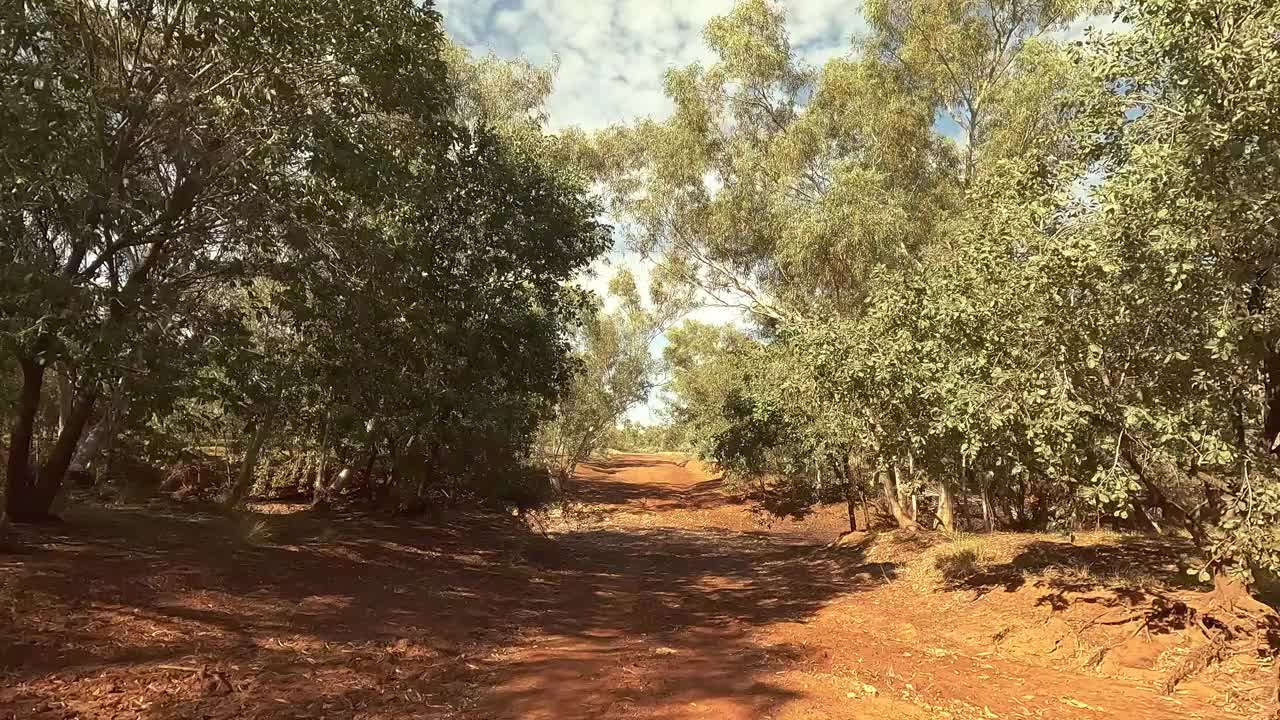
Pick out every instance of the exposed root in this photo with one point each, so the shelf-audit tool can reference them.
(1101, 653)
(1199, 660)
(1233, 622)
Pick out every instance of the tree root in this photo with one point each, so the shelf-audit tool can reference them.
(1233, 622)
(1198, 661)
(1101, 653)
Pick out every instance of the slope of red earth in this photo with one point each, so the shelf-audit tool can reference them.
(654, 594)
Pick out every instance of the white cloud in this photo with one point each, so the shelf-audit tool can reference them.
(1082, 28)
(612, 56)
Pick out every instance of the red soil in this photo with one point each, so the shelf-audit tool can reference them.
(658, 597)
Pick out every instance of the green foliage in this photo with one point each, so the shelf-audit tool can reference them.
(616, 371)
(1068, 311)
(266, 221)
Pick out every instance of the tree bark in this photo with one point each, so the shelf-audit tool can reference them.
(341, 480)
(988, 513)
(244, 478)
(845, 470)
(54, 470)
(1171, 510)
(66, 396)
(946, 507)
(372, 458)
(1271, 422)
(1140, 511)
(18, 465)
(866, 509)
(962, 506)
(94, 440)
(371, 445)
(320, 488)
(889, 482)
(852, 508)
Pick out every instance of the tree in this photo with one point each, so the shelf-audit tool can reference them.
(383, 270)
(616, 371)
(1183, 134)
(821, 200)
(147, 142)
(751, 190)
(986, 64)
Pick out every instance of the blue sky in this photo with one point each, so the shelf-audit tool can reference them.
(611, 56)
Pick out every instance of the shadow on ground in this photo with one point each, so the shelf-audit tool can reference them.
(305, 616)
(1075, 568)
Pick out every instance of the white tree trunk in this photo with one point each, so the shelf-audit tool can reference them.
(66, 394)
(98, 435)
(244, 479)
(988, 515)
(889, 481)
(946, 507)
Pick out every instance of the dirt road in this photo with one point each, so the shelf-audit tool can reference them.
(658, 598)
(678, 603)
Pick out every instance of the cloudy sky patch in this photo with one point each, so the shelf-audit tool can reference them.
(612, 54)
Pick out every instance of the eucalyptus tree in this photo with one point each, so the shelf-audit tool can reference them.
(817, 198)
(616, 370)
(706, 364)
(751, 191)
(1100, 323)
(988, 66)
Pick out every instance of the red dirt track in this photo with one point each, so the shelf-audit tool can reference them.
(660, 597)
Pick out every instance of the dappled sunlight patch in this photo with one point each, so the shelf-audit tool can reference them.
(1095, 602)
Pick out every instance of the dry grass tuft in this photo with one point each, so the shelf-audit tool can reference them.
(960, 557)
(253, 531)
(933, 561)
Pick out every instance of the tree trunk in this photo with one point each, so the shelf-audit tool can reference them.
(29, 498)
(66, 396)
(1140, 511)
(1271, 422)
(341, 480)
(21, 484)
(320, 488)
(866, 509)
(1172, 511)
(946, 507)
(845, 470)
(96, 438)
(371, 429)
(369, 487)
(988, 513)
(54, 470)
(852, 509)
(889, 482)
(1021, 510)
(393, 450)
(244, 479)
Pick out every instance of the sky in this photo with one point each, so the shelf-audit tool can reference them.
(612, 53)
(611, 56)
